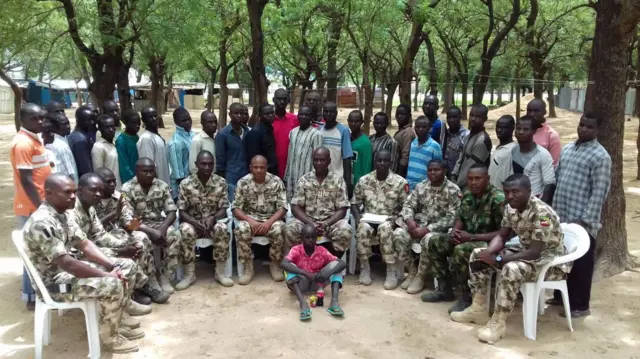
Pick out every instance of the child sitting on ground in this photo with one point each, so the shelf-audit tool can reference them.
(308, 266)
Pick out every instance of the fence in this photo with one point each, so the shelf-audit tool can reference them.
(572, 99)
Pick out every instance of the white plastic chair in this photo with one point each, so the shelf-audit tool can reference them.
(207, 242)
(42, 318)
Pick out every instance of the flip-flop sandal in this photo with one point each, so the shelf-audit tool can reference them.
(305, 315)
(336, 311)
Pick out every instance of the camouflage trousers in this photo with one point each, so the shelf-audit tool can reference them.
(220, 238)
(404, 242)
(112, 295)
(243, 236)
(437, 254)
(512, 276)
(117, 239)
(385, 234)
(170, 251)
(340, 234)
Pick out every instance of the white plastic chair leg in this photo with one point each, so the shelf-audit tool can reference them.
(530, 294)
(46, 334)
(565, 301)
(39, 327)
(93, 329)
(541, 302)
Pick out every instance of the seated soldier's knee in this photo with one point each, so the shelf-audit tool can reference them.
(187, 230)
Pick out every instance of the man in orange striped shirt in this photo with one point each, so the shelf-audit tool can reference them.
(30, 169)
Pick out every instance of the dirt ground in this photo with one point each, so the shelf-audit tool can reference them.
(261, 320)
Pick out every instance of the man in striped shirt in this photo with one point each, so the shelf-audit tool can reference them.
(583, 181)
(65, 162)
(423, 150)
(381, 140)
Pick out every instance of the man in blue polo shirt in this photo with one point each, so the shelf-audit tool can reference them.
(423, 150)
(231, 159)
(337, 138)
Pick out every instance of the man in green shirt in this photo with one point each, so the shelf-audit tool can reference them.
(362, 150)
(126, 145)
(477, 222)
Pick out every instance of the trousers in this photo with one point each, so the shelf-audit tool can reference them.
(243, 235)
(220, 238)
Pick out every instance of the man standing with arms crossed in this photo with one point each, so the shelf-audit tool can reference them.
(30, 169)
(283, 123)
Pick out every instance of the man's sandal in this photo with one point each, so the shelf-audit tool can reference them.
(336, 311)
(305, 315)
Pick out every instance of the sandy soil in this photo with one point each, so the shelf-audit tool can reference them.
(261, 320)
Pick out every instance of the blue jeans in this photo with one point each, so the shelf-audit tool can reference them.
(28, 294)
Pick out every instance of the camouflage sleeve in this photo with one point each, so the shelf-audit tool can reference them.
(223, 202)
(497, 208)
(239, 200)
(358, 194)
(74, 229)
(447, 219)
(96, 226)
(342, 200)
(410, 205)
(43, 235)
(168, 204)
(544, 223)
(183, 196)
(127, 214)
(404, 193)
(299, 193)
(282, 195)
(506, 223)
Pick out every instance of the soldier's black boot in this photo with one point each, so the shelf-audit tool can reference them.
(463, 303)
(444, 293)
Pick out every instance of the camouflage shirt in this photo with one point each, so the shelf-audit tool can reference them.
(202, 200)
(82, 224)
(107, 206)
(148, 207)
(434, 207)
(45, 239)
(482, 215)
(260, 201)
(320, 200)
(538, 222)
(381, 197)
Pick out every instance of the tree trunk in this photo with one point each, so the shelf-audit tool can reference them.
(335, 29)
(224, 96)
(491, 89)
(512, 90)
(415, 95)
(433, 72)
(539, 71)
(212, 84)
(636, 109)
(17, 97)
(551, 100)
(464, 79)
(105, 70)
(499, 99)
(157, 71)
(448, 89)
(391, 92)
(405, 75)
(616, 23)
(368, 97)
(124, 91)
(383, 92)
(255, 9)
(518, 97)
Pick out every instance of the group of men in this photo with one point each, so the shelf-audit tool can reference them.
(432, 184)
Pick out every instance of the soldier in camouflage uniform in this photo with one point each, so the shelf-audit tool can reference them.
(538, 227)
(381, 192)
(430, 210)
(321, 200)
(202, 201)
(477, 222)
(260, 205)
(149, 206)
(47, 243)
(84, 223)
(109, 207)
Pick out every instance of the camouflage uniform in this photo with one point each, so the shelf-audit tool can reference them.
(260, 202)
(83, 225)
(46, 238)
(431, 207)
(478, 216)
(149, 208)
(538, 222)
(107, 206)
(202, 201)
(382, 198)
(320, 201)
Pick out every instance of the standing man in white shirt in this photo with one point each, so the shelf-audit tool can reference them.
(104, 153)
(204, 139)
(500, 164)
(152, 146)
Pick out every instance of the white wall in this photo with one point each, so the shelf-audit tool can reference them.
(6, 100)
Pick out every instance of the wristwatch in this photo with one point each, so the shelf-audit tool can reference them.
(498, 259)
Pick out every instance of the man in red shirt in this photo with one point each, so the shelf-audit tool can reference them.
(283, 123)
(30, 169)
(309, 266)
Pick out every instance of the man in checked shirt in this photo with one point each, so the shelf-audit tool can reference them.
(583, 179)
